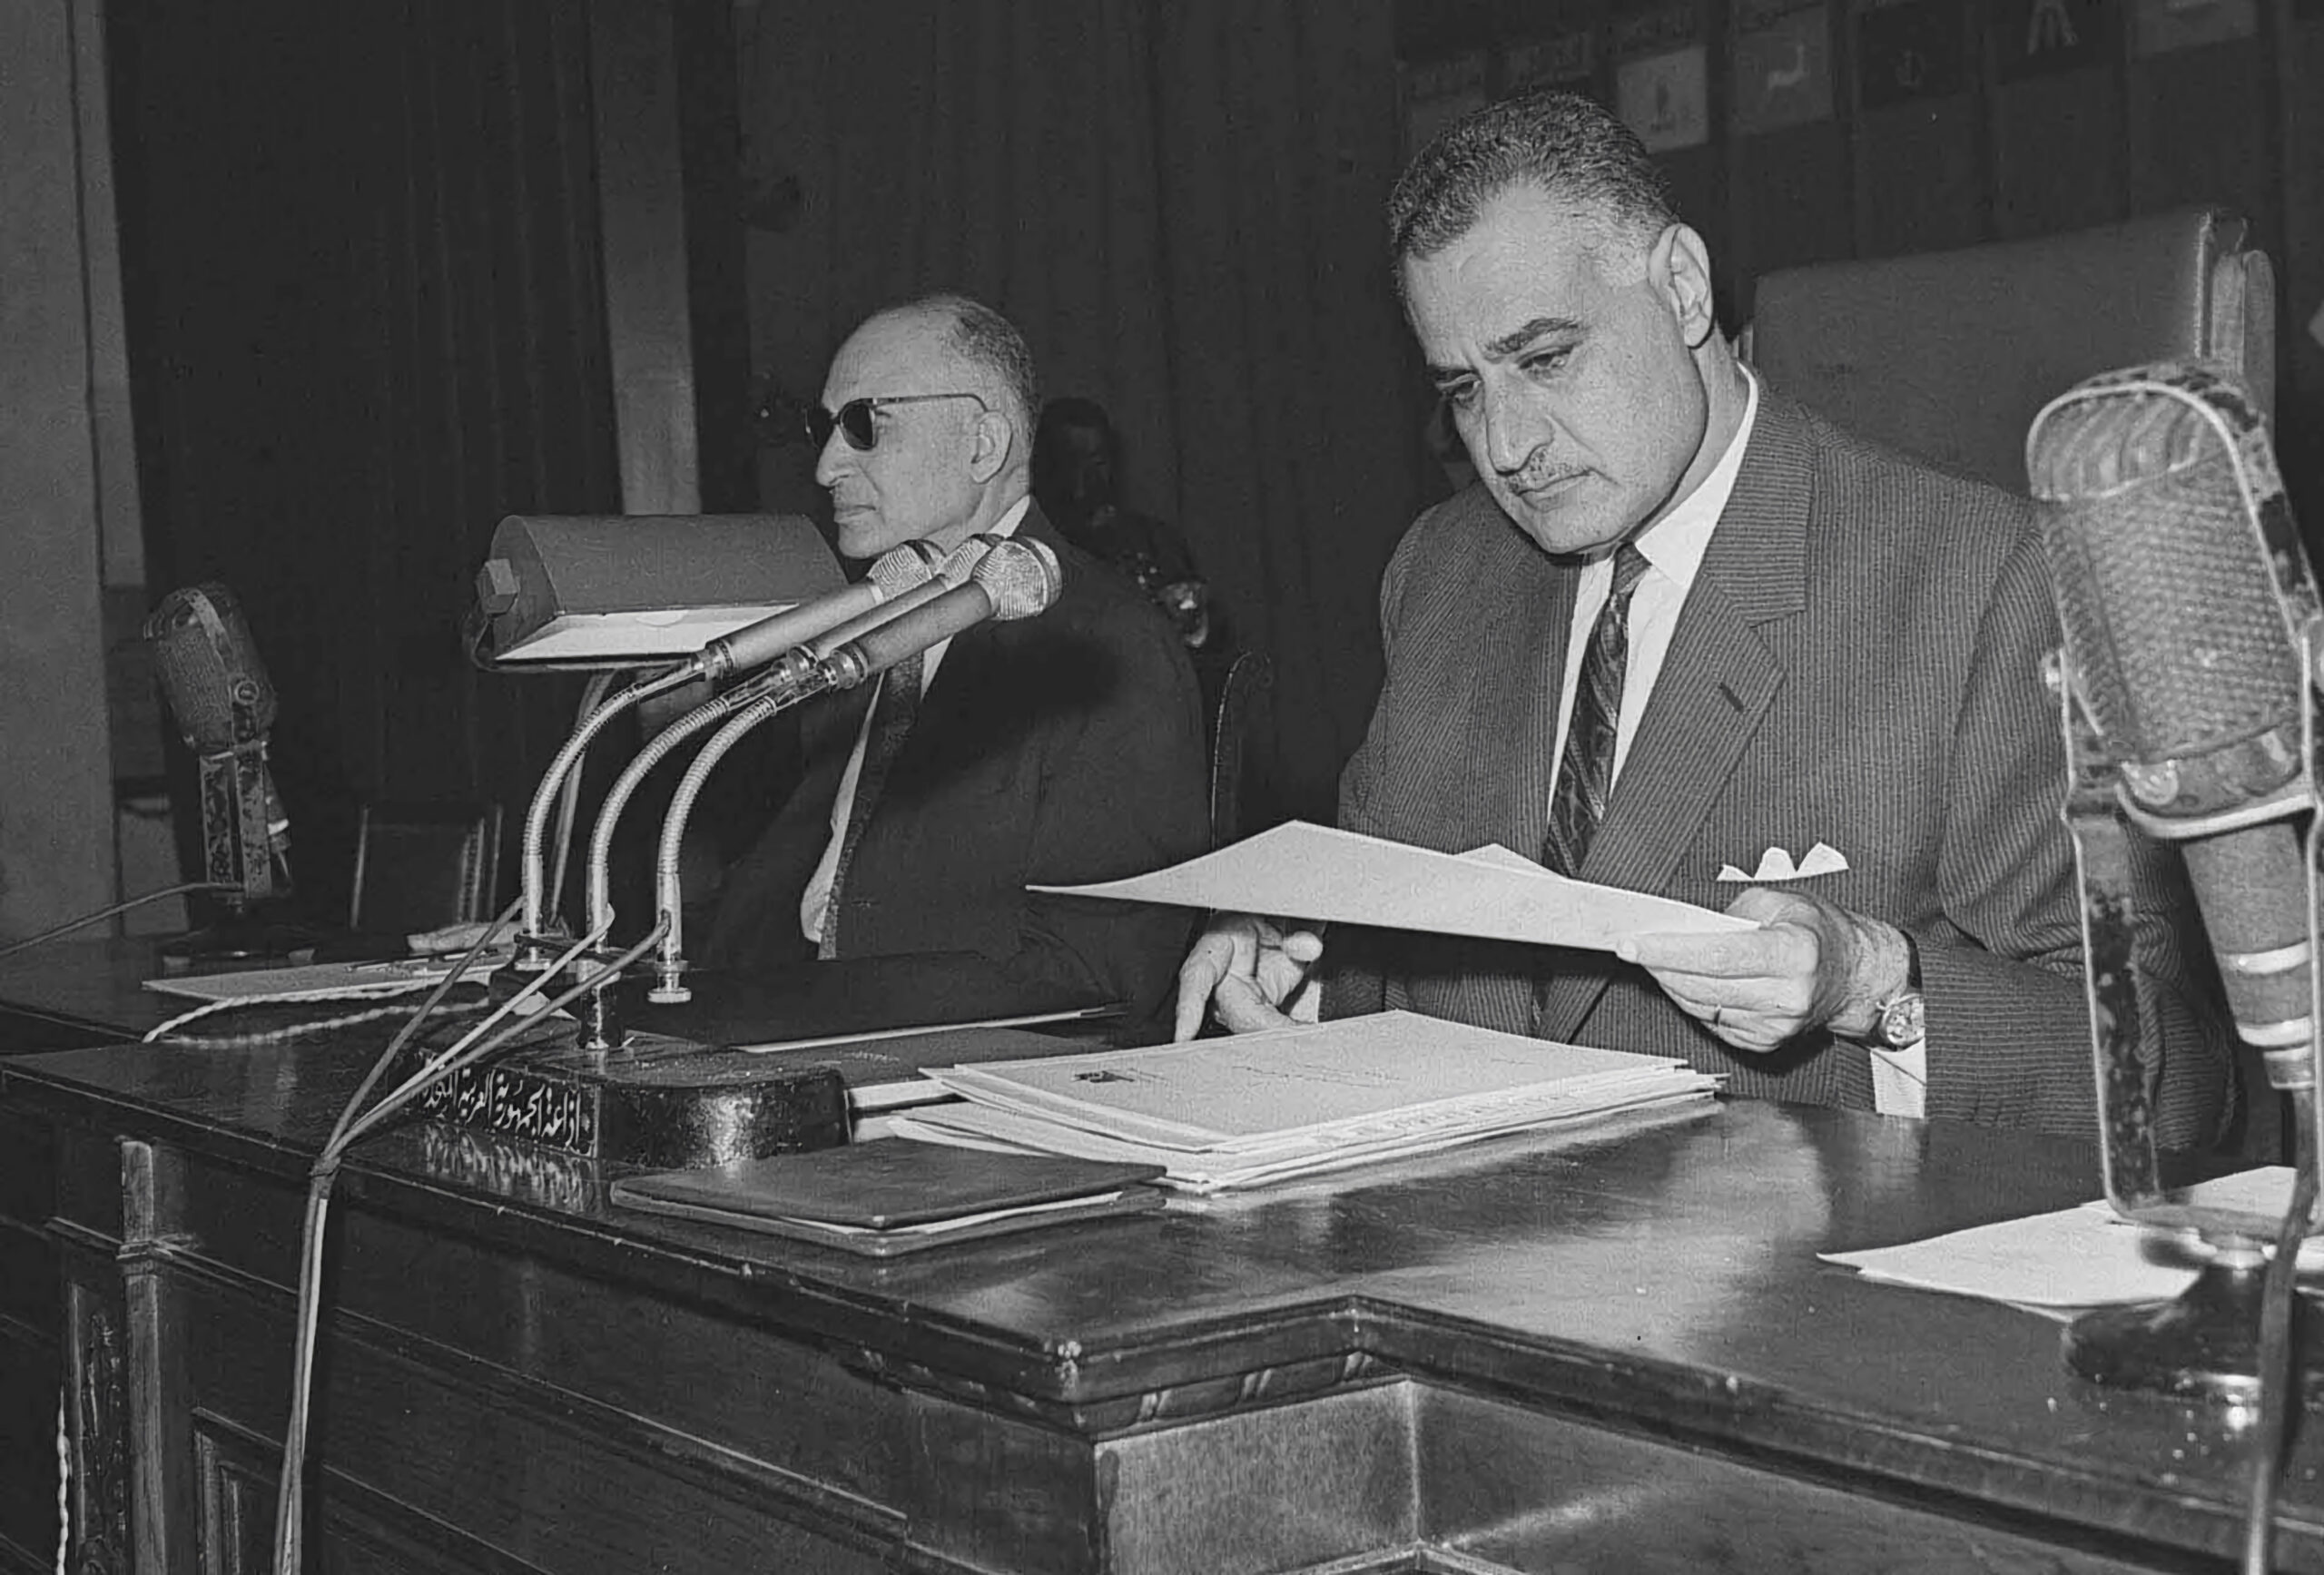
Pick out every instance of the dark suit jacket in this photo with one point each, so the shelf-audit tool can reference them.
(1060, 749)
(1857, 663)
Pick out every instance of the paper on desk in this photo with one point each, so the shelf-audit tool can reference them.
(2085, 1256)
(1248, 1109)
(324, 981)
(1314, 872)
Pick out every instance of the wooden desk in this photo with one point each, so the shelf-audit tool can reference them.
(69, 993)
(1610, 1351)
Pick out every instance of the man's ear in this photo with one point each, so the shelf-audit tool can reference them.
(995, 438)
(1680, 269)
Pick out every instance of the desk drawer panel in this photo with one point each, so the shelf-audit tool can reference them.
(549, 1479)
(626, 1345)
(28, 1289)
(1528, 1491)
(27, 1167)
(28, 1392)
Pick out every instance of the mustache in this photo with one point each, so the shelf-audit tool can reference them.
(1537, 473)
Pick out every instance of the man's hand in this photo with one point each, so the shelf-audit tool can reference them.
(1809, 965)
(1246, 970)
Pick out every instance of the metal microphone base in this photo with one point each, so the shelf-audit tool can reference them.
(656, 1104)
(2204, 1343)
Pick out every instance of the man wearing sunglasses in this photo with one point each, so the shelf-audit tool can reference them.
(1061, 749)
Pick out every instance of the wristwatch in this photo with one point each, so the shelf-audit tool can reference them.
(1902, 1018)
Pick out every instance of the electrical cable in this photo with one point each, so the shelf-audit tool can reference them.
(310, 1027)
(83, 922)
(354, 1123)
(169, 1030)
(2280, 1379)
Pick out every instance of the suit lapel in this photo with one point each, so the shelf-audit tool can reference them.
(1717, 682)
(961, 697)
(1527, 709)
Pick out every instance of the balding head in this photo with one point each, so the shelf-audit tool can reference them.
(951, 389)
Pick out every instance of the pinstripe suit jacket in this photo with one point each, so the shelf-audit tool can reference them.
(1857, 663)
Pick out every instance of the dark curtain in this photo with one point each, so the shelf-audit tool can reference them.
(1179, 202)
(365, 322)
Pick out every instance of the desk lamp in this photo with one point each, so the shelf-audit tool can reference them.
(688, 598)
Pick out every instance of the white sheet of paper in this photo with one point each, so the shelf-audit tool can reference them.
(323, 980)
(1299, 870)
(2084, 1257)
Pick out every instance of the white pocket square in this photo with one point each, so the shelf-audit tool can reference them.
(1776, 864)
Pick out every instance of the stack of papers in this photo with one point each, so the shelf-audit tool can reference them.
(1222, 1113)
(2085, 1256)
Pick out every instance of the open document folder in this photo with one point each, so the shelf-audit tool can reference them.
(1218, 1113)
(1300, 871)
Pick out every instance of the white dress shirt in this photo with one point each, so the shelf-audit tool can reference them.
(817, 899)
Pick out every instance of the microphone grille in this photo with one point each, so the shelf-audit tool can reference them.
(959, 568)
(2180, 612)
(1020, 576)
(210, 671)
(900, 568)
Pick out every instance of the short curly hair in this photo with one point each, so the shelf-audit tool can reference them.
(1565, 143)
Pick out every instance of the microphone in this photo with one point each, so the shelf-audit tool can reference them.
(775, 640)
(2184, 597)
(755, 645)
(1004, 579)
(2191, 629)
(1015, 579)
(224, 705)
(956, 568)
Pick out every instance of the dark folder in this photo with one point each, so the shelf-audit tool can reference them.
(894, 1196)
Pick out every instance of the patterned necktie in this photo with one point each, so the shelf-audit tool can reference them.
(1586, 768)
(892, 711)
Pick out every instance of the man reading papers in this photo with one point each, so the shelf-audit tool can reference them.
(1684, 629)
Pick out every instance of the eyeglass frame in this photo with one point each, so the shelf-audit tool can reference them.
(831, 421)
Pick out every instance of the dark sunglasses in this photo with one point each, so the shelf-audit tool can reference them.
(853, 420)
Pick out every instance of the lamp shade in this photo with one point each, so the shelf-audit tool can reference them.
(619, 590)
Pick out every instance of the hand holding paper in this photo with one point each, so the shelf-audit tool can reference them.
(1805, 964)
(1248, 969)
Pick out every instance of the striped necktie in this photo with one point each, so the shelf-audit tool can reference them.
(1586, 768)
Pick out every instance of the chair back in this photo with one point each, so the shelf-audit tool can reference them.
(1948, 355)
(1235, 687)
(422, 866)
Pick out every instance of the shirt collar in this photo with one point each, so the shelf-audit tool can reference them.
(1006, 525)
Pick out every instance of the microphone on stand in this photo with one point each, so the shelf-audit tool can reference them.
(1011, 579)
(1015, 580)
(2192, 629)
(218, 692)
(893, 575)
(755, 645)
